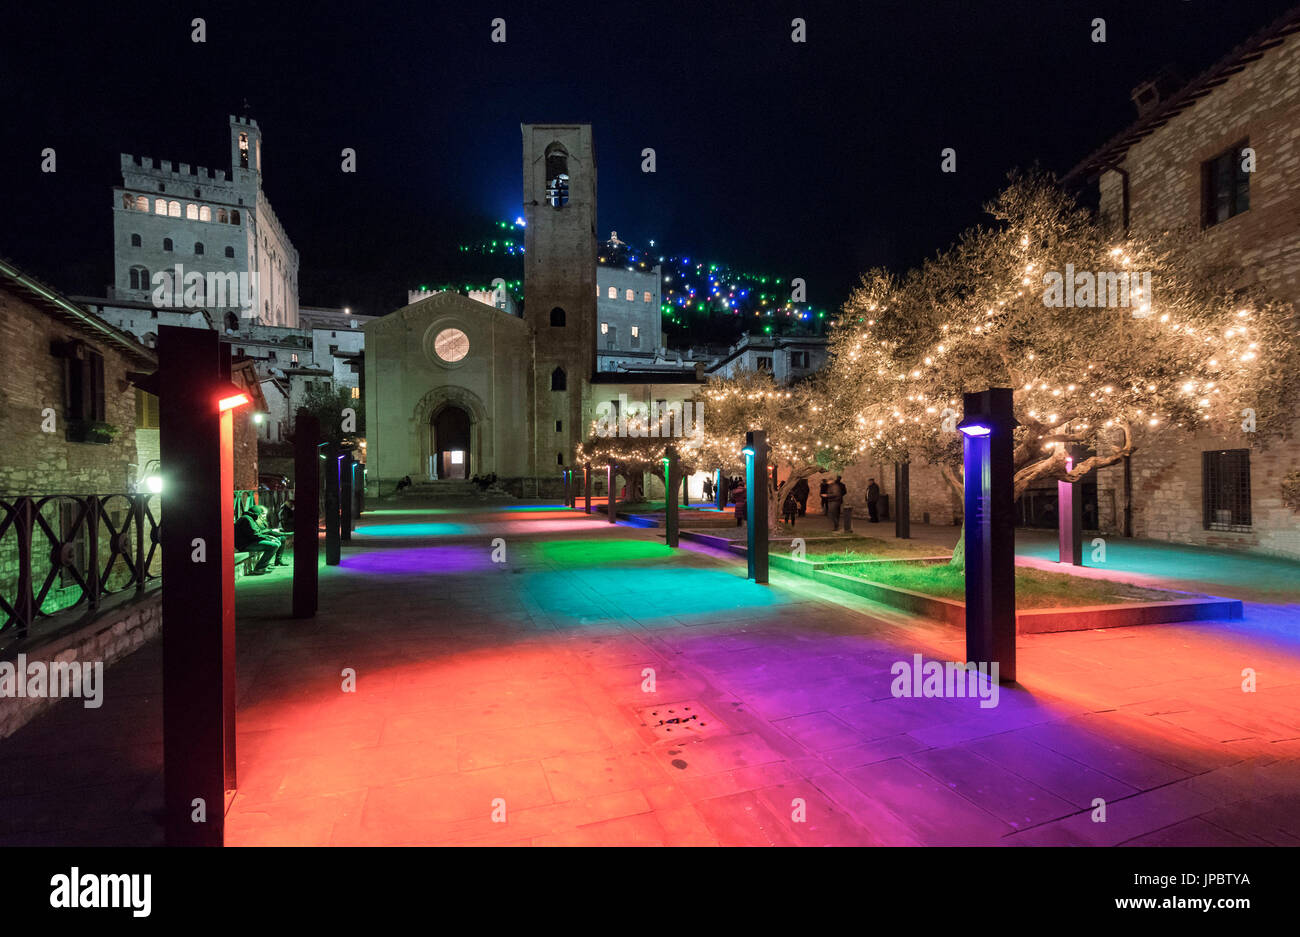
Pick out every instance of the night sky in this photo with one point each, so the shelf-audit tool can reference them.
(816, 160)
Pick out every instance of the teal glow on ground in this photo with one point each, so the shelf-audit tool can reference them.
(1264, 575)
(414, 530)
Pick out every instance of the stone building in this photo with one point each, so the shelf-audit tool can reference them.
(629, 332)
(457, 387)
(218, 232)
(1186, 161)
(68, 409)
(786, 359)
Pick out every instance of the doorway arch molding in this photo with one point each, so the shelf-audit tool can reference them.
(480, 430)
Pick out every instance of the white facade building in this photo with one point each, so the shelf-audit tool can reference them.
(628, 318)
(170, 218)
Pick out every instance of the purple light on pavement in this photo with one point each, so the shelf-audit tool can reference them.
(434, 561)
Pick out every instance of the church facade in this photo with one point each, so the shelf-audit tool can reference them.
(456, 387)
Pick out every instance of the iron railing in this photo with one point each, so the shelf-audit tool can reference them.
(61, 552)
(64, 552)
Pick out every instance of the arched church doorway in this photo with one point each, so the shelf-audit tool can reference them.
(450, 426)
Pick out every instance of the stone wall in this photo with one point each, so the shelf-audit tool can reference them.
(31, 380)
(115, 633)
(1261, 105)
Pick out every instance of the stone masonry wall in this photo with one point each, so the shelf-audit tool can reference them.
(1260, 104)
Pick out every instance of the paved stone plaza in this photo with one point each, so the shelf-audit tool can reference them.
(484, 686)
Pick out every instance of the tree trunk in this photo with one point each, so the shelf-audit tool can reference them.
(958, 560)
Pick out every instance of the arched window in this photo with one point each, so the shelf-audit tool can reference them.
(222, 216)
(629, 296)
(173, 209)
(127, 200)
(135, 278)
(613, 292)
(234, 216)
(141, 203)
(198, 247)
(557, 176)
(135, 240)
(139, 278)
(167, 244)
(557, 317)
(558, 380)
(230, 252)
(559, 458)
(160, 206)
(191, 211)
(205, 213)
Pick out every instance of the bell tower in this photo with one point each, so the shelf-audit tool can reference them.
(559, 283)
(245, 152)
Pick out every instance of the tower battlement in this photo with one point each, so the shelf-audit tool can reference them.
(167, 170)
(246, 121)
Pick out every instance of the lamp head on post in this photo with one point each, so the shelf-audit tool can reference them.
(230, 395)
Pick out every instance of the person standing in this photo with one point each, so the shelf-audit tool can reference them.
(825, 486)
(873, 501)
(800, 493)
(738, 496)
(790, 509)
(835, 493)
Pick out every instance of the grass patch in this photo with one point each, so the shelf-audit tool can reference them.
(1034, 588)
(865, 548)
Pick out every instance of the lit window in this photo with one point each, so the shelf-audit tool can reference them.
(160, 206)
(356, 393)
(205, 213)
(191, 212)
(613, 292)
(604, 328)
(630, 296)
(451, 345)
(647, 296)
(636, 331)
(243, 151)
(173, 209)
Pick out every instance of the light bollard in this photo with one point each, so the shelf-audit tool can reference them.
(756, 534)
(988, 447)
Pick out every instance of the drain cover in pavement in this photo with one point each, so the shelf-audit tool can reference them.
(682, 721)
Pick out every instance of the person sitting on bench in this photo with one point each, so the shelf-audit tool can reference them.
(253, 536)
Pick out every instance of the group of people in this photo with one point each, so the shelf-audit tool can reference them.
(254, 535)
(795, 505)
